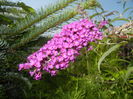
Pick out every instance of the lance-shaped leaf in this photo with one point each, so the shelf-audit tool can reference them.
(108, 52)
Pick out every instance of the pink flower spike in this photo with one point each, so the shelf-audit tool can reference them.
(57, 66)
(63, 48)
(38, 76)
(53, 72)
(90, 48)
(102, 23)
(31, 73)
(21, 66)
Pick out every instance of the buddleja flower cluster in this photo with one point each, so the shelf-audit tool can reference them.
(62, 49)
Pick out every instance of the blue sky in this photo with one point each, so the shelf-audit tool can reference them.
(109, 5)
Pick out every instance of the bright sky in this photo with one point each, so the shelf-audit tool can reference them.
(109, 5)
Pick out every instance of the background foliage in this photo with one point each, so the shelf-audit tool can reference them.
(102, 73)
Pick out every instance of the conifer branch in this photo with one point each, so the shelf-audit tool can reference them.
(20, 26)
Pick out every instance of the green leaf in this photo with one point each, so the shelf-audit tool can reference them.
(119, 19)
(120, 60)
(4, 19)
(129, 71)
(131, 81)
(126, 10)
(124, 4)
(112, 13)
(26, 8)
(108, 52)
(96, 14)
